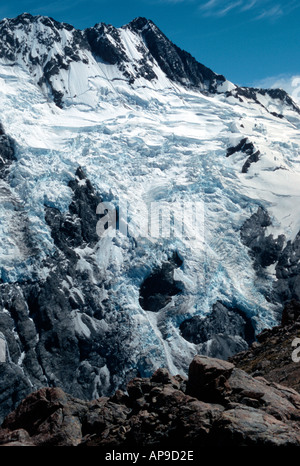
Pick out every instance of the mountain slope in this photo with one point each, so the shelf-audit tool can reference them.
(142, 195)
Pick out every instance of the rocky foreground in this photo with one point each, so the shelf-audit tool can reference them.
(219, 404)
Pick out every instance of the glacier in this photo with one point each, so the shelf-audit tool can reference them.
(140, 143)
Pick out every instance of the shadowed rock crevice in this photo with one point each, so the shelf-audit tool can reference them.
(158, 288)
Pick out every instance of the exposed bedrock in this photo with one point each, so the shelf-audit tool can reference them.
(246, 147)
(54, 328)
(224, 332)
(266, 250)
(7, 152)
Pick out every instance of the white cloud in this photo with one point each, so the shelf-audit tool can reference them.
(249, 5)
(255, 9)
(274, 12)
(291, 84)
(157, 2)
(209, 5)
(229, 7)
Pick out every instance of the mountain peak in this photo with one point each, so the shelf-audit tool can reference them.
(140, 23)
(25, 19)
(138, 52)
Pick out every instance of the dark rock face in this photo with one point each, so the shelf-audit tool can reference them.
(253, 93)
(253, 158)
(177, 64)
(55, 326)
(78, 226)
(281, 95)
(287, 286)
(222, 333)
(47, 33)
(265, 250)
(14, 383)
(248, 149)
(219, 405)
(111, 52)
(242, 146)
(70, 357)
(7, 152)
(157, 289)
(291, 313)
(271, 356)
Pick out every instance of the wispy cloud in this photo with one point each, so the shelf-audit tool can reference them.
(210, 5)
(254, 9)
(57, 6)
(228, 8)
(249, 5)
(160, 2)
(273, 12)
(15, 7)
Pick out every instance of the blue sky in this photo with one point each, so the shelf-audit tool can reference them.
(249, 41)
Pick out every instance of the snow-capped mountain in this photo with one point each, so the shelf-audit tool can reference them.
(149, 207)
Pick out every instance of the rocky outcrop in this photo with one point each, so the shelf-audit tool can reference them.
(246, 147)
(7, 152)
(37, 42)
(218, 405)
(178, 65)
(264, 249)
(78, 226)
(274, 355)
(279, 95)
(287, 286)
(220, 334)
